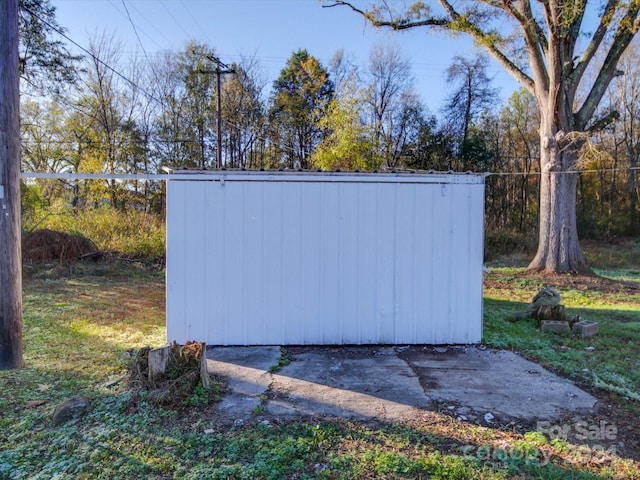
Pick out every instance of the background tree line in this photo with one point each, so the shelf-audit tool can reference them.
(110, 114)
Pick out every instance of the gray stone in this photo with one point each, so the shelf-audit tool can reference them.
(73, 408)
(557, 326)
(586, 328)
(112, 383)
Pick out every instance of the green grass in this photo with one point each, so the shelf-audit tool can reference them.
(79, 320)
(610, 360)
(131, 233)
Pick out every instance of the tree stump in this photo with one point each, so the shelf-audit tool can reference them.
(170, 372)
(548, 312)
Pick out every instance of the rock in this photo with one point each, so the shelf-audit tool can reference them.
(238, 423)
(441, 349)
(34, 403)
(72, 408)
(209, 431)
(489, 418)
(586, 329)
(590, 349)
(555, 326)
(112, 383)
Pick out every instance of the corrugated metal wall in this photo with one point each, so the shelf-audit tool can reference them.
(257, 258)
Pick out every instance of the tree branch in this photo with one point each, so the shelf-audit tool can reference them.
(595, 42)
(454, 22)
(604, 122)
(400, 24)
(627, 28)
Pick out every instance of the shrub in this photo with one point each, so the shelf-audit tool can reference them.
(130, 233)
(506, 242)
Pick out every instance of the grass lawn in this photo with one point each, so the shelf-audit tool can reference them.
(79, 320)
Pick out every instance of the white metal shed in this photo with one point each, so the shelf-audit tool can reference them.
(300, 258)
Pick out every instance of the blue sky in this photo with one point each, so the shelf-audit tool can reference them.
(269, 30)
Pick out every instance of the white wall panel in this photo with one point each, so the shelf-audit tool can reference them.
(262, 258)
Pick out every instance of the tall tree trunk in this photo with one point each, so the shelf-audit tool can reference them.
(10, 222)
(632, 191)
(558, 246)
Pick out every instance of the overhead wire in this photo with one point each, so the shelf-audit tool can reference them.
(120, 75)
(94, 57)
(152, 25)
(229, 123)
(193, 17)
(135, 31)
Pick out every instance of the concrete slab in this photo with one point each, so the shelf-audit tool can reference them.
(246, 373)
(499, 382)
(391, 384)
(354, 382)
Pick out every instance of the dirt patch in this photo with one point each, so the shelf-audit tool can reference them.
(47, 245)
(581, 283)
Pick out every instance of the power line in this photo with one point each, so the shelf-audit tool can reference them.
(195, 20)
(143, 16)
(135, 30)
(97, 59)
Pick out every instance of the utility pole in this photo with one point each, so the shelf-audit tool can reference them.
(10, 223)
(221, 69)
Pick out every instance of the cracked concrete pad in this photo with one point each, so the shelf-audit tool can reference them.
(391, 384)
(358, 382)
(246, 373)
(498, 382)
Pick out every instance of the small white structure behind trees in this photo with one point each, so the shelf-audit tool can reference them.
(293, 258)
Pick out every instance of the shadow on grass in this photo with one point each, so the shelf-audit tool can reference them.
(66, 357)
(111, 443)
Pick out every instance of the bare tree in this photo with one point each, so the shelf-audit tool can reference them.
(472, 92)
(244, 115)
(345, 74)
(547, 48)
(393, 105)
(109, 107)
(626, 94)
